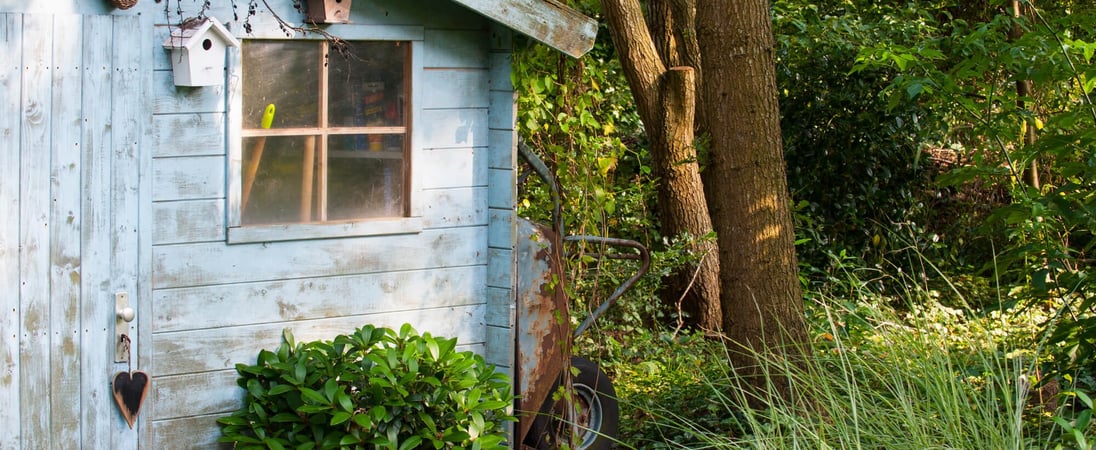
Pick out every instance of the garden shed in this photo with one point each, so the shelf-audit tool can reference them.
(321, 181)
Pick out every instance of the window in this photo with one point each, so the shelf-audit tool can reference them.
(337, 147)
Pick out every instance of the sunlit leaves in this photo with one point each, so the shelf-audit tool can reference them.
(374, 388)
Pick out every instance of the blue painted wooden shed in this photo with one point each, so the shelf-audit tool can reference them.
(380, 190)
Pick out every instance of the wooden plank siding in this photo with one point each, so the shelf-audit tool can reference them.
(11, 33)
(60, 169)
(65, 220)
(173, 134)
(215, 304)
(130, 120)
(501, 197)
(99, 417)
(34, 230)
(311, 299)
(113, 179)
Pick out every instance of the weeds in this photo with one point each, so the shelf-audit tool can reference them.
(913, 376)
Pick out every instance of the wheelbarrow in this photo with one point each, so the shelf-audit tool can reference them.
(563, 400)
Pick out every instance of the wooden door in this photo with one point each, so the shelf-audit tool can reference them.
(72, 118)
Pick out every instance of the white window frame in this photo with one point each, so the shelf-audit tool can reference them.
(412, 223)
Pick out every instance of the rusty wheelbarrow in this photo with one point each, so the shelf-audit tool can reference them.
(564, 401)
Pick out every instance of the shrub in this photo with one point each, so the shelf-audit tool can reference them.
(370, 389)
(854, 165)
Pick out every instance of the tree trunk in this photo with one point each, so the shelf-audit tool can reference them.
(666, 103)
(747, 187)
(673, 26)
(681, 203)
(1023, 90)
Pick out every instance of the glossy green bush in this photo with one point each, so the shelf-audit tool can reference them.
(373, 388)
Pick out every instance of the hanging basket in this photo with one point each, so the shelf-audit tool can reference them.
(123, 4)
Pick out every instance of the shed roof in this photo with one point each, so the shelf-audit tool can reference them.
(548, 21)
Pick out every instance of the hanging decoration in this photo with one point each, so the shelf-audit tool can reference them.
(130, 388)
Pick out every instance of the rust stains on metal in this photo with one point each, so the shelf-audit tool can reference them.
(543, 330)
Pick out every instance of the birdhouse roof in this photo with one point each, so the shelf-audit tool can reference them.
(187, 36)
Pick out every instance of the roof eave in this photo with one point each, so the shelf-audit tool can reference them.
(547, 21)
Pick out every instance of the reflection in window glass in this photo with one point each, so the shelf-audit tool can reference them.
(367, 87)
(337, 146)
(365, 184)
(275, 194)
(285, 73)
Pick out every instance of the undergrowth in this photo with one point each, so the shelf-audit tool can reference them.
(907, 373)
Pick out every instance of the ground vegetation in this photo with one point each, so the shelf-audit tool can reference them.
(943, 218)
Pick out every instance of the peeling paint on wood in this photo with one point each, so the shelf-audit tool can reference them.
(316, 298)
(194, 134)
(98, 415)
(216, 263)
(547, 21)
(215, 349)
(131, 196)
(60, 155)
(65, 246)
(10, 50)
(34, 233)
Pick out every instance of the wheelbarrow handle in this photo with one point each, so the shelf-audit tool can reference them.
(645, 263)
(644, 256)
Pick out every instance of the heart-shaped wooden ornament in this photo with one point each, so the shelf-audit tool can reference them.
(130, 389)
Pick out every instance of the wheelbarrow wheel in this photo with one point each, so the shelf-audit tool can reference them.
(596, 416)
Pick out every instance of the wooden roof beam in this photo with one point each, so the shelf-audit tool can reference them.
(548, 21)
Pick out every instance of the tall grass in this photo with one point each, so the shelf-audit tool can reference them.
(922, 376)
(900, 390)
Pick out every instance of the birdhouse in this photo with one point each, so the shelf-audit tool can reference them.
(329, 11)
(198, 52)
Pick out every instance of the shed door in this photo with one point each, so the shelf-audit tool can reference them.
(71, 121)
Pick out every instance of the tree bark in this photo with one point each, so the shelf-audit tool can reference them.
(666, 103)
(747, 187)
(1023, 91)
(682, 205)
(673, 27)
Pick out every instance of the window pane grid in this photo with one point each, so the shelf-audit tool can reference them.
(352, 163)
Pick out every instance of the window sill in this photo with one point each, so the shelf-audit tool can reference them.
(330, 230)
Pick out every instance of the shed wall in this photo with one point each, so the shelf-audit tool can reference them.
(215, 304)
(71, 126)
(205, 305)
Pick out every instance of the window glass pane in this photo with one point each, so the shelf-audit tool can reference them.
(317, 172)
(367, 85)
(365, 184)
(285, 73)
(273, 192)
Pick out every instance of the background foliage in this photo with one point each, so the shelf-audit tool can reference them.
(906, 144)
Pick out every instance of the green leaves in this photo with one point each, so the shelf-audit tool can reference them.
(373, 388)
(1075, 432)
(853, 79)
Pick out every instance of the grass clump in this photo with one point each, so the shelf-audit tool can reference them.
(916, 377)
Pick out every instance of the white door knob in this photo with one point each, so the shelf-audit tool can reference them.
(127, 314)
